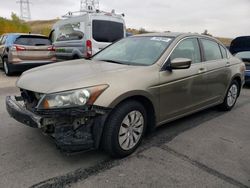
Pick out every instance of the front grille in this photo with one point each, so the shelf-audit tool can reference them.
(29, 99)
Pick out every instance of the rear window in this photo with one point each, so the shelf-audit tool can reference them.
(32, 41)
(107, 31)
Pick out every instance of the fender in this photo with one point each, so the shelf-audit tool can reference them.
(236, 76)
(130, 94)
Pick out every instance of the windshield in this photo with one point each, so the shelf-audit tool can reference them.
(245, 55)
(135, 50)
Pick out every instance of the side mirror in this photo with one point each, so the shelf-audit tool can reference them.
(180, 63)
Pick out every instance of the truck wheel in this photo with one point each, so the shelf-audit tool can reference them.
(124, 129)
(6, 67)
(231, 96)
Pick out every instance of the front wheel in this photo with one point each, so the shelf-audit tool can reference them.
(124, 129)
(231, 96)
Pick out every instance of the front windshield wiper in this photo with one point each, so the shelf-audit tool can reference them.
(112, 61)
(122, 62)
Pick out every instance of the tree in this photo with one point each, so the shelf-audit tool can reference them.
(142, 30)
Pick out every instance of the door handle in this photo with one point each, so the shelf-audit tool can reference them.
(202, 70)
(228, 64)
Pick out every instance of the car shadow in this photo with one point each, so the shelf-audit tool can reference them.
(246, 86)
(160, 136)
(169, 131)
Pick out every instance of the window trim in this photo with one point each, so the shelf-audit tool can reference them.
(222, 47)
(167, 61)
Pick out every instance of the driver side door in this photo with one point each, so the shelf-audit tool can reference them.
(183, 91)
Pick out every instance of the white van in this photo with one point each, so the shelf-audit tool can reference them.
(84, 35)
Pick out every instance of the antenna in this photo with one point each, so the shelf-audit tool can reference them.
(24, 9)
(89, 5)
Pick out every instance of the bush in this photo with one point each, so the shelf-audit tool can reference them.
(13, 25)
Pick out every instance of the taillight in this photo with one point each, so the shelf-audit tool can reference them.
(52, 48)
(18, 48)
(88, 48)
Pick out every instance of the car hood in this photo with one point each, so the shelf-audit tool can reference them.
(235, 50)
(70, 75)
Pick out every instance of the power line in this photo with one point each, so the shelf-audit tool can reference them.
(24, 9)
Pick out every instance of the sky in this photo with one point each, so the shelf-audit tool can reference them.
(223, 18)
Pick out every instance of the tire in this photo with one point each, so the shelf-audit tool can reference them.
(6, 67)
(231, 96)
(76, 57)
(124, 129)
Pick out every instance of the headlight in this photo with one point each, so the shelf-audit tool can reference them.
(69, 99)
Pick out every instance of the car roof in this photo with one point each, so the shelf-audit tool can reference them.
(164, 34)
(174, 34)
(80, 18)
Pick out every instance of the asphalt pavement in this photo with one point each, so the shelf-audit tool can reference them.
(207, 149)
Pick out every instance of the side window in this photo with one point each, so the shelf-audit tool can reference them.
(188, 48)
(223, 52)
(71, 31)
(211, 50)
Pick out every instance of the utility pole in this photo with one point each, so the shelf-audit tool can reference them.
(90, 5)
(24, 10)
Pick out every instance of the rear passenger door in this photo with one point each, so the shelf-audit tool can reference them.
(217, 72)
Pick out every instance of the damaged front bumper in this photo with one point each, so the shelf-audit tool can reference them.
(74, 130)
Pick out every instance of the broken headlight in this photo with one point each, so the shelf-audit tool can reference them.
(73, 98)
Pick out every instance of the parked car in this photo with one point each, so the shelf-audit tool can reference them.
(84, 35)
(19, 52)
(130, 87)
(240, 47)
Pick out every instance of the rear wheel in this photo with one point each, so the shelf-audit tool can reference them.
(231, 96)
(6, 67)
(76, 57)
(124, 129)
